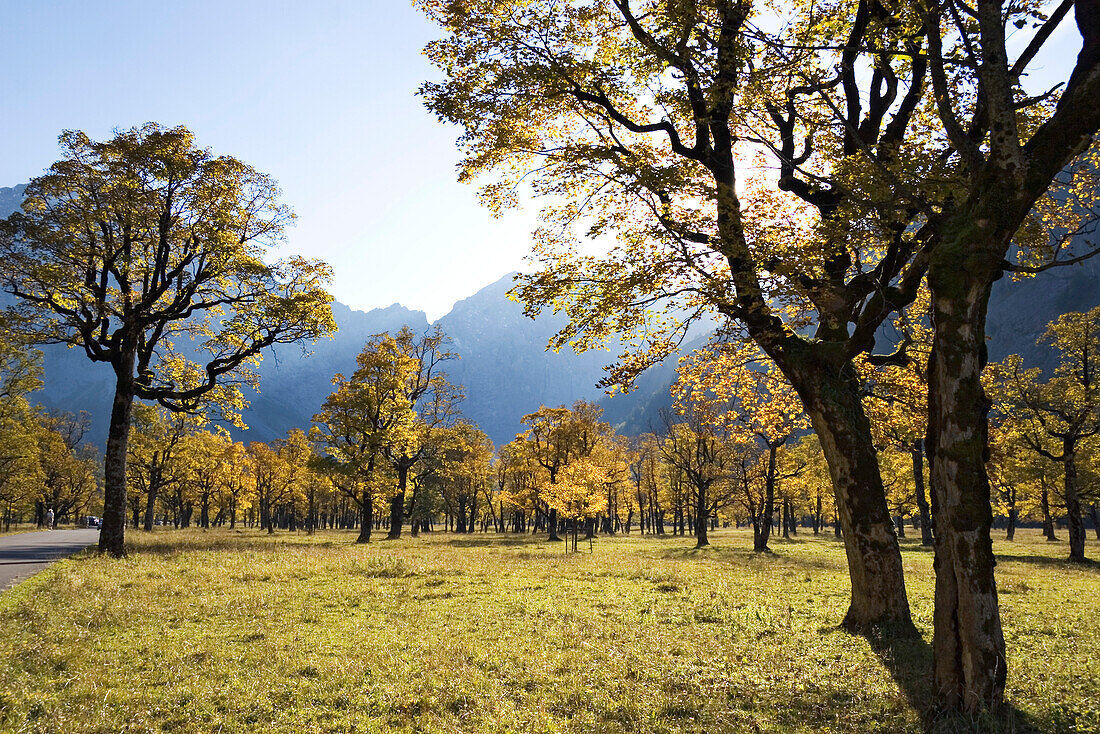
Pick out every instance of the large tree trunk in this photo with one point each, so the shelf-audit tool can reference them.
(968, 644)
(1074, 523)
(112, 536)
(832, 401)
(917, 453)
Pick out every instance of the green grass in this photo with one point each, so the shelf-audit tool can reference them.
(18, 528)
(237, 632)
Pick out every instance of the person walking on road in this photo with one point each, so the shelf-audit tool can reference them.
(49, 519)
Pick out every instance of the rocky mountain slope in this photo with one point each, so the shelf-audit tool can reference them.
(504, 365)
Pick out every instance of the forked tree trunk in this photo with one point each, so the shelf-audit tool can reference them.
(112, 536)
(1048, 521)
(366, 513)
(701, 539)
(831, 399)
(397, 502)
(968, 644)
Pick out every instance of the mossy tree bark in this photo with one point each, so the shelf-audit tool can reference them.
(832, 400)
(969, 647)
(970, 240)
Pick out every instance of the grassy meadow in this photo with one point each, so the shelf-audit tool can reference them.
(240, 632)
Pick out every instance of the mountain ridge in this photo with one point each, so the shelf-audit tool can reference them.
(504, 365)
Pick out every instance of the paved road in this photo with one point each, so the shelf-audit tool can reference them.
(25, 554)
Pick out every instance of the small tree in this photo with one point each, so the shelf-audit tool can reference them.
(747, 395)
(558, 437)
(578, 494)
(435, 400)
(368, 412)
(153, 453)
(124, 247)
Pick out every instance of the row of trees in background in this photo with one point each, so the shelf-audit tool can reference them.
(44, 462)
(390, 450)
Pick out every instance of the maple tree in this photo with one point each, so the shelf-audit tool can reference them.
(1019, 174)
(206, 469)
(646, 472)
(577, 493)
(153, 461)
(809, 479)
(235, 490)
(556, 437)
(20, 470)
(369, 411)
(518, 482)
(896, 401)
(127, 246)
(632, 121)
(732, 386)
(69, 466)
(278, 472)
(466, 457)
(433, 400)
(904, 142)
(1056, 416)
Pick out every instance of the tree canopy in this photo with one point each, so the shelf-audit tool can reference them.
(126, 248)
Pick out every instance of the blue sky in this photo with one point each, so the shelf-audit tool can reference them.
(321, 95)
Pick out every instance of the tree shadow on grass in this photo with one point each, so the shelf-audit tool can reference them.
(167, 543)
(909, 660)
(481, 541)
(1051, 562)
(742, 555)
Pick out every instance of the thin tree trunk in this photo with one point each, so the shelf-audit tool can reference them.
(397, 502)
(150, 507)
(917, 453)
(1048, 521)
(760, 539)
